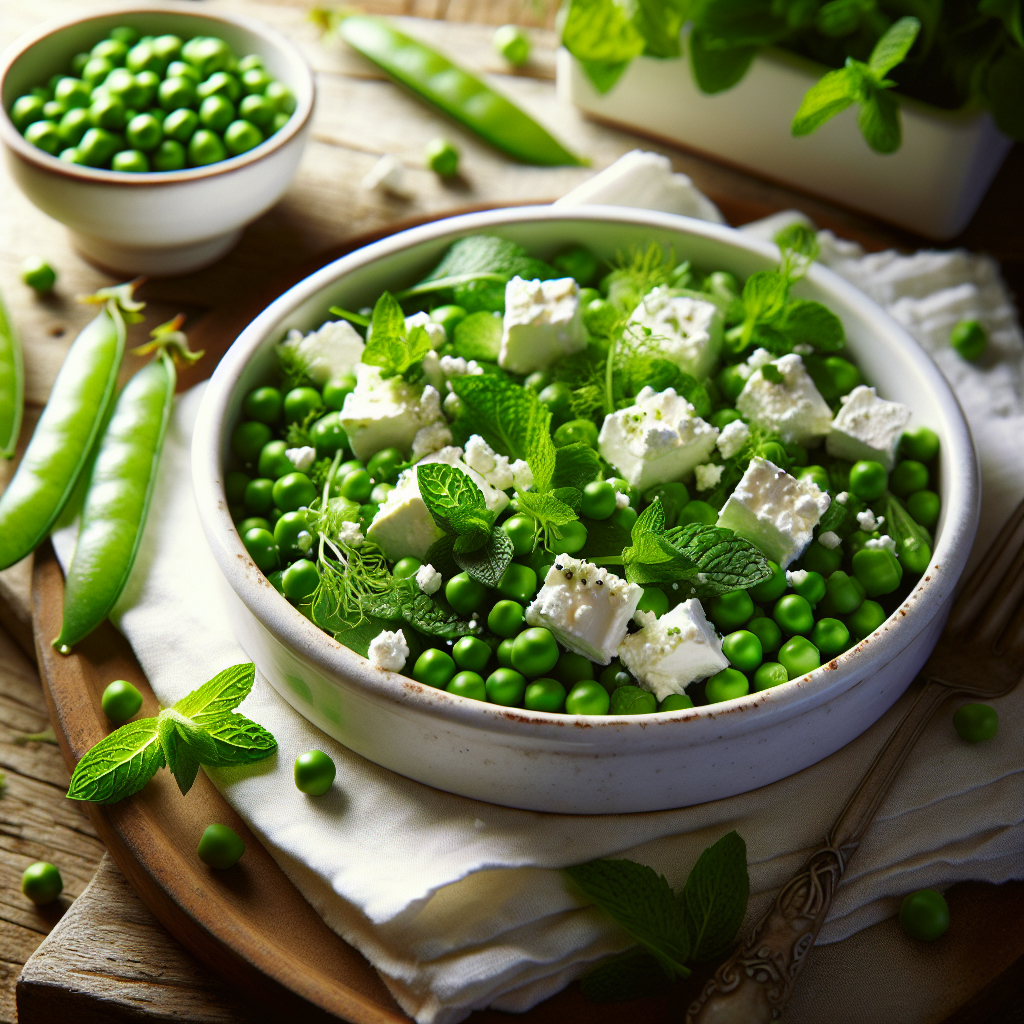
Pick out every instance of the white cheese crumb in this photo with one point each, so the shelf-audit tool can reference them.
(829, 539)
(350, 534)
(301, 458)
(732, 438)
(792, 408)
(435, 331)
(429, 439)
(795, 577)
(843, 497)
(333, 350)
(688, 330)
(387, 174)
(388, 651)
(428, 579)
(708, 476)
(886, 543)
(868, 522)
(522, 475)
(494, 468)
(621, 500)
(758, 358)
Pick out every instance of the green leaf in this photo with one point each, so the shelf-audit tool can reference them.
(764, 294)
(602, 31)
(829, 96)
(833, 519)
(390, 346)
(576, 465)
(733, 24)
(473, 527)
(605, 539)
(223, 693)
(449, 494)
(893, 47)
(441, 556)
(723, 560)
(487, 564)
(660, 22)
(717, 70)
(238, 740)
(1009, 13)
(546, 508)
(186, 745)
(603, 74)
(900, 525)
(800, 239)
(631, 976)
(714, 900)
(478, 337)
(639, 900)
(651, 558)
(879, 121)
(1002, 85)
(119, 765)
(804, 322)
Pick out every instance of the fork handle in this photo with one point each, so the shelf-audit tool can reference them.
(757, 981)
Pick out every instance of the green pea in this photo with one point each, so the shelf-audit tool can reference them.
(798, 656)
(300, 403)
(120, 701)
(406, 568)
(724, 417)
(180, 125)
(205, 148)
(730, 611)
(468, 684)
(822, 560)
(27, 110)
(924, 507)
(329, 437)
(38, 274)
(924, 915)
(207, 54)
(674, 497)
(263, 404)
(248, 439)
(124, 34)
(441, 157)
(234, 487)
(576, 432)
(45, 135)
(254, 80)
(868, 479)
(259, 496)
(811, 587)
(519, 583)
(257, 110)
(731, 380)
(632, 700)
(698, 511)
(573, 668)
(240, 136)
(793, 614)
(844, 594)
(220, 847)
(743, 649)
(357, 485)
(534, 652)
(866, 619)
(598, 499)
(908, 477)
(726, 685)
(96, 70)
(73, 126)
(572, 537)
(970, 339)
(113, 50)
(767, 632)
(772, 588)
(471, 653)
(262, 549)
(976, 722)
(544, 695)
(53, 111)
(676, 702)
(78, 62)
(449, 317)
(253, 523)
(182, 69)
(587, 698)
(149, 83)
(380, 493)
(216, 113)
(314, 773)
(465, 594)
(558, 398)
(877, 570)
(384, 466)
(521, 531)
(273, 463)
(250, 62)
(144, 132)
(505, 618)
(220, 83)
(769, 674)
(920, 443)
(843, 374)
(654, 600)
(336, 391)
(41, 883)
(914, 555)
(73, 93)
(348, 467)
(281, 96)
(174, 94)
(293, 536)
(506, 686)
(130, 161)
(300, 580)
(71, 156)
(434, 668)
(816, 474)
(504, 652)
(280, 120)
(512, 43)
(122, 84)
(830, 636)
(293, 491)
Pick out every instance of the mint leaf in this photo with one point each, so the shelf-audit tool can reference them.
(631, 976)
(223, 693)
(829, 96)
(576, 465)
(639, 900)
(714, 900)
(441, 556)
(546, 509)
(723, 560)
(893, 47)
(731, 24)
(473, 527)
(390, 345)
(715, 70)
(448, 493)
(833, 519)
(879, 121)
(186, 745)
(238, 740)
(1002, 84)
(660, 22)
(487, 563)
(805, 322)
(119, 765)
(651, 558)
(604, 74)
(478, 337)
(602, 33)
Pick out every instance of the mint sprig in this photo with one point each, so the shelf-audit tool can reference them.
(201, 729)
(392, 346)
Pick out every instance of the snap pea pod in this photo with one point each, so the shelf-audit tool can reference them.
(12, 385)
(61, 445)
(120, 490)
(459, 94)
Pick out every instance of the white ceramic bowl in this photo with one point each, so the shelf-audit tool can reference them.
(565, 763)
(171, 222)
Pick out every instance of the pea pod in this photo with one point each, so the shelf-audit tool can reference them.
(12, 385)
(459, 94)
(61, 445)
(120, 490)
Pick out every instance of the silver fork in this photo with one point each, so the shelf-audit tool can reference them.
(979, 653)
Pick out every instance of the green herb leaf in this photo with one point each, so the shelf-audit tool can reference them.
(660, 22)
(714, 899)
(447, 492)
(651, 558)
(732, 24)
(441, 555)
(119, 765)
(576, 465)
(602, 33)
(831, 95)
(478, 337)
(833, 519)
(546, 508)
(893, 47)
(238, 740)
(182, 759)
(724, 561)
(221, 695)
(487, 563)
(805, 322)
(604, 74)
(391, 346)
(631, 976)
(879, 121)
(1001, 84)
(715, 70)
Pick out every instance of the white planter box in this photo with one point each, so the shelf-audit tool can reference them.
(931, 185)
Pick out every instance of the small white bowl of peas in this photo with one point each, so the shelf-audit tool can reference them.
(154, 132)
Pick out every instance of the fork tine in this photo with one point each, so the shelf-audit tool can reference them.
(1011, 643)
(1002, 604)
(975, 596)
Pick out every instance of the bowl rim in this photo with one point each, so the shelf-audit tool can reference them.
(293, 630)
(14, 140)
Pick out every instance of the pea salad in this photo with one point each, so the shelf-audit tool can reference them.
(138, 103)
(585, 488)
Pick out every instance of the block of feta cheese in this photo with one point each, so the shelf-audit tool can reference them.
(585, 606)
(774, 511)
(387, 413)
(793, 407)
(494, 468)
(661, 438)
(543, 322)
(867, 427)
(403, 527)
(435, 331)
(689, 331)
(670, 652)
(388, 651)
(332, 351)
(732, 438)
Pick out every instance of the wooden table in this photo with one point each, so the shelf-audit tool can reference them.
(108, 959)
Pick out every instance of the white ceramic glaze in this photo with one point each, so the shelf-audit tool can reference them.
(155, 224)
(560, 762)
(931, 185)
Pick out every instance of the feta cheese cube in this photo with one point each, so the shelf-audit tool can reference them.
(774, 511)
(494, 468)
(350, 534)
(403, 527)
(708, 475)
(793, 408)
(732, 438)
(431, 439)
(435, 331)
(829, 539)
(586, 607)
(671, 652)
(868, 521)
(867, 427)
(428, 579)
(689, 331)
(332, 351)
(543, 322)
(301, 458)
(388, 650)
(387, 413)
(661, 438)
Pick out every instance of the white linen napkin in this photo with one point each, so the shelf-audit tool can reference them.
(460, 904)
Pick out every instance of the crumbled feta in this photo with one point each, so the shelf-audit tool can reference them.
(428, 579)
(403, 527)
(386, 413)
(452, 405)
(793, 408)
(795, 577)
(456, 366)
(494, 468)
(621, 500)
(522, 475)
(387, 174)
(658, 439)
(688, 331)
(301, 458)
(350, 534)
(843, 497)
(867, 427)
(885, 543)
(388, 650)
(543, 322)
(829, 539)
(708, 476)
(758, 358)
(430, 439)
(774, 511)
(332, 351)
(732, 438)
(585, 606)
(435, 331)
(669, 653)
(869, 521)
